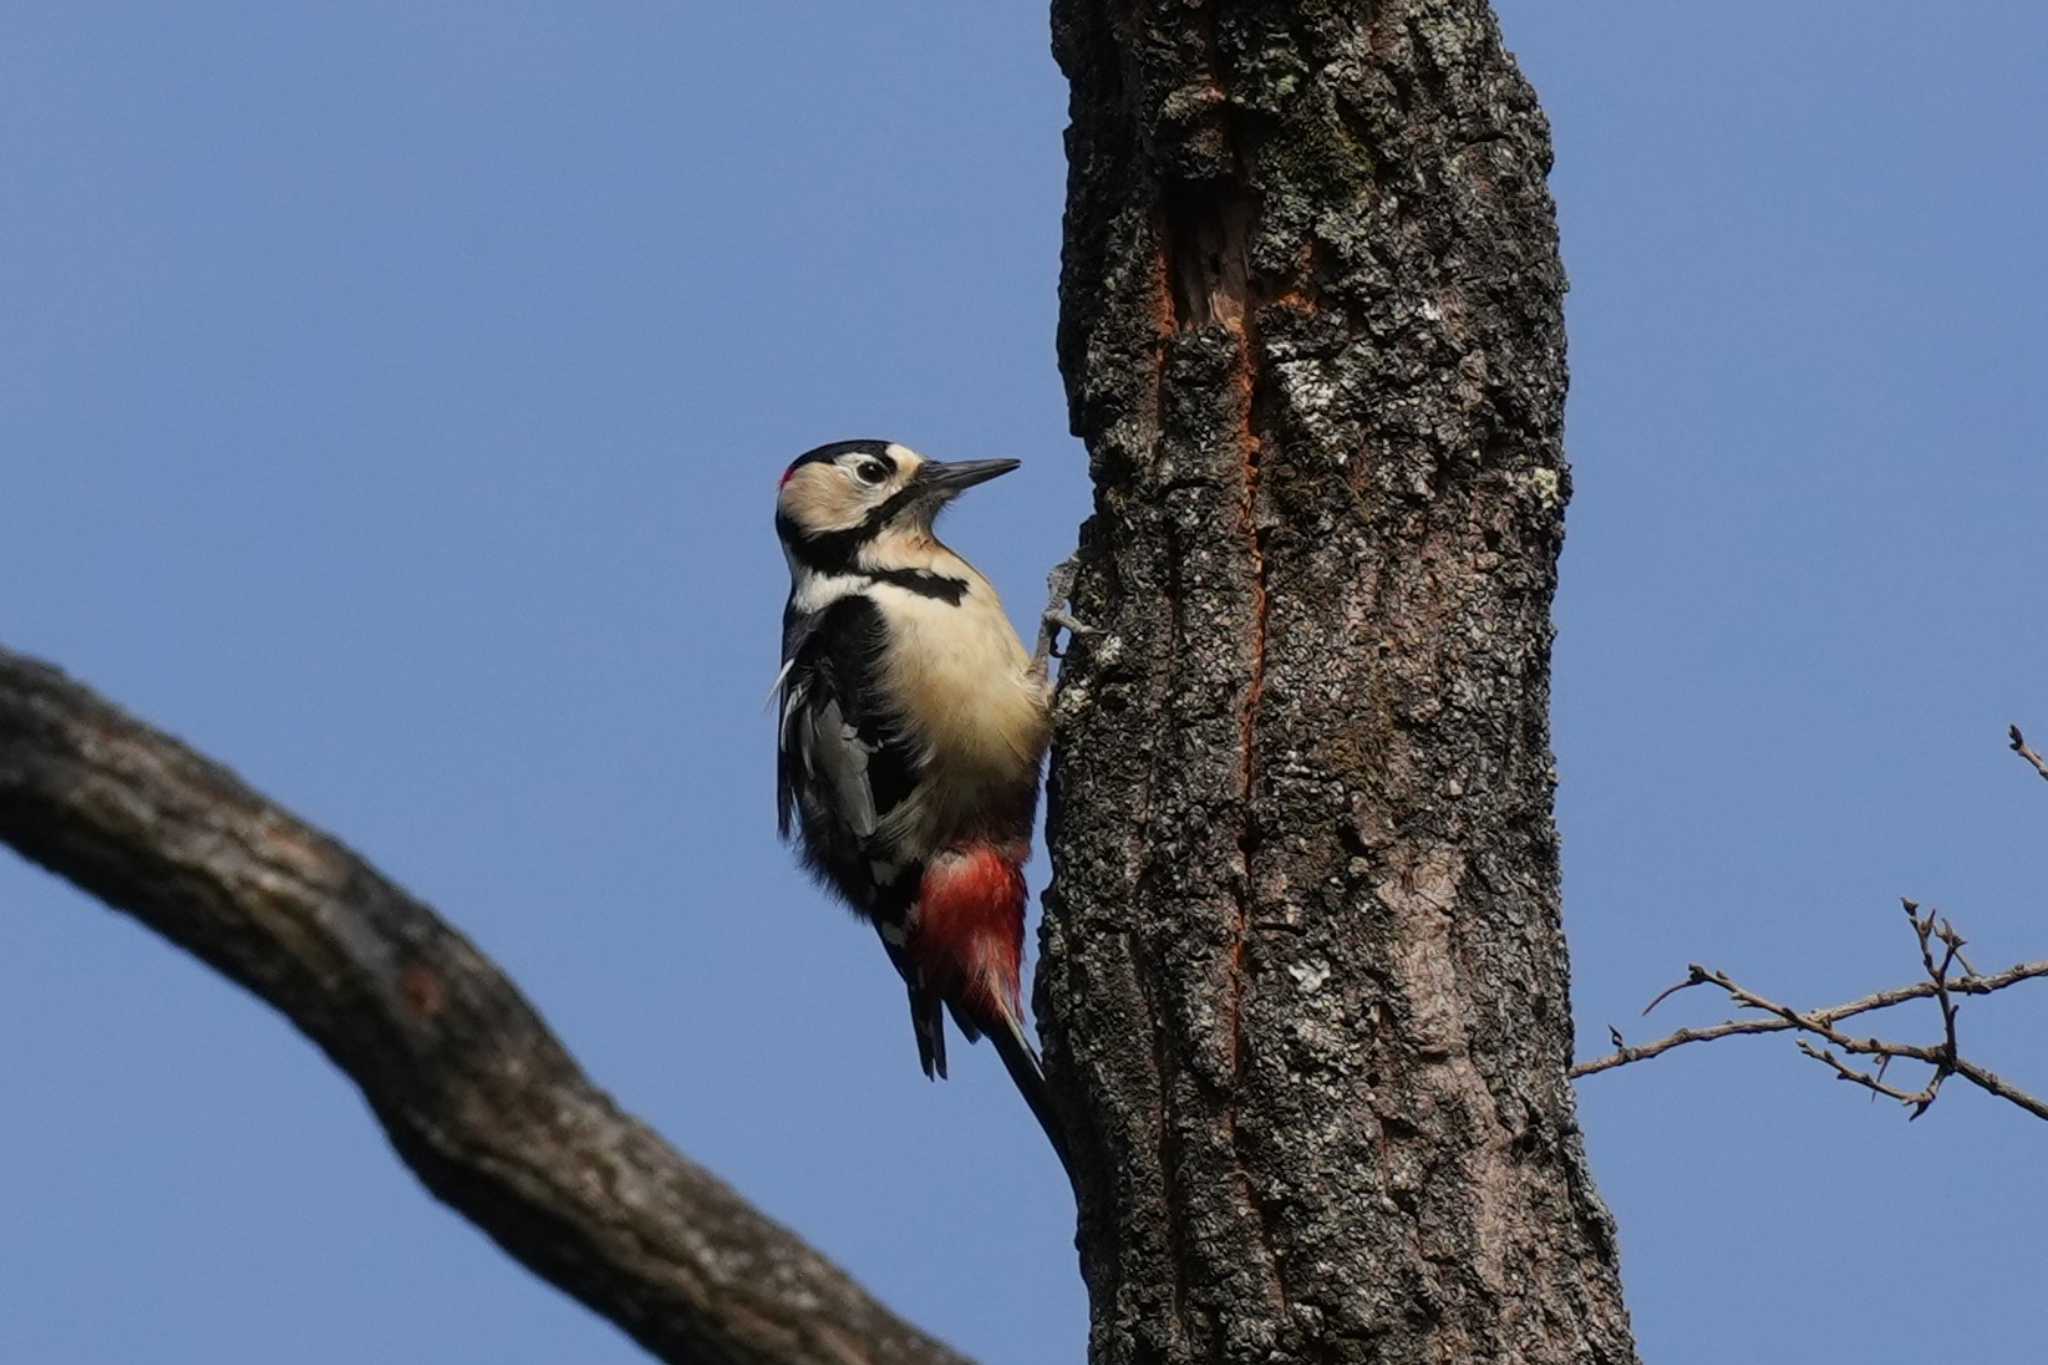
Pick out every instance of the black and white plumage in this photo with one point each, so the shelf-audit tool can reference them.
(911, 727)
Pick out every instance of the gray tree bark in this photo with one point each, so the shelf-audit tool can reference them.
(1303, 984)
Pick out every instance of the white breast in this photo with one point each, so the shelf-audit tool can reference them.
(974, 702)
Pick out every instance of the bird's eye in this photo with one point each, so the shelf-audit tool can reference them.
(871, 471)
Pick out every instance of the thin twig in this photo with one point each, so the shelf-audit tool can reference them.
(1944, 1057)
(1696, 977)
(1924, 931)
(1821, 1024)
(1992, 1083)
(2026, 751)
(1919, 990)
(1874, 1084)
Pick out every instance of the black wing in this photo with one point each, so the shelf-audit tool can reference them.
(791, 686)
(840, 769)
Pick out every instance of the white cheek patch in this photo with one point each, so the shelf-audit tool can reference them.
(822, 497)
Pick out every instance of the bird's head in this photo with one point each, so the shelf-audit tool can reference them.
(840, 500)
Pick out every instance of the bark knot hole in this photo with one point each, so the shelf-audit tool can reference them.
(422, 990)
(1208, 242)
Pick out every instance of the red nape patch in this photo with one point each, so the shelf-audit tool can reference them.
(787, 475)
(968, 935)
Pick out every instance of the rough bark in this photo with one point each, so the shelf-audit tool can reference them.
(1303, 983)
(476, 1094)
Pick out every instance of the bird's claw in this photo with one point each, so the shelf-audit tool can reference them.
(1058, 584)
(1055, 620)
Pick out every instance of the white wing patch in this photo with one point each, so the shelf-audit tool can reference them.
(781, 677)
(792, 707)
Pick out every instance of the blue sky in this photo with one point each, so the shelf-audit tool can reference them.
(392, 396)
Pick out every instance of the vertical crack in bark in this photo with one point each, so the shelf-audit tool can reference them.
(1247, 838)
(1241, 293)
(1252, 450)
(1170, 1154)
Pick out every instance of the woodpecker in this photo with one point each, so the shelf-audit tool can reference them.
(912, 727)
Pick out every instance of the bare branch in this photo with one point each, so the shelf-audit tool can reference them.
(1833, 1014)
(2026, 751)
(479, 1098)
(1696, 977)
(1875, 1084)
(1943, 1056)
(1992, 1083)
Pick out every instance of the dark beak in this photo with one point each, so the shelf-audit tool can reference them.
(945, 479)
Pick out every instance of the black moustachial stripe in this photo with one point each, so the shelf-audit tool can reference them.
(833, 551)
(830, 552)
(923, 582)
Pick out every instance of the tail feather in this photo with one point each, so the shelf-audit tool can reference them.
(927, 1011)
(963, 1021)
(1021, 1061)
(965, 947)
(928, 1021)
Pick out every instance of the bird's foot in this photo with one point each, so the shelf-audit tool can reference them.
(1050, 626)
(1059, 584)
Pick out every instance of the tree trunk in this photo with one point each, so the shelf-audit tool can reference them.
(1303, 979)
